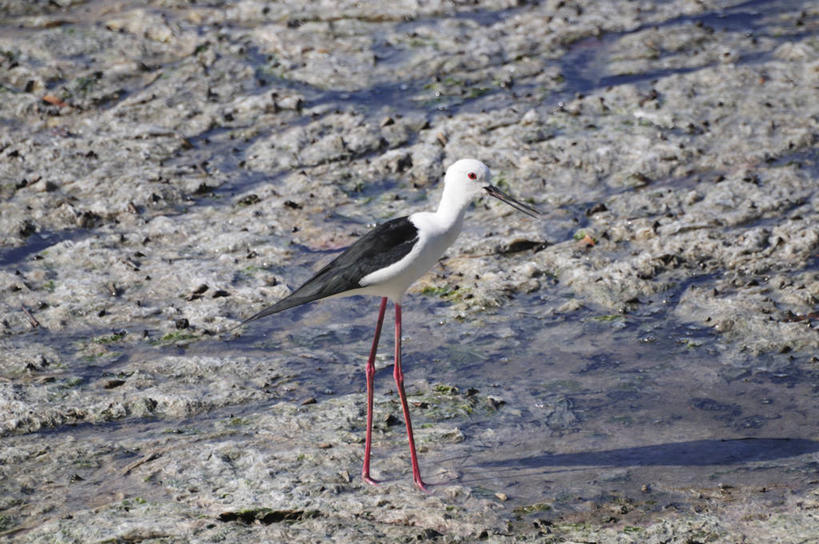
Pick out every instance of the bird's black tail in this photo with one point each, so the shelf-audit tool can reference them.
(284, 304)
(326, 283)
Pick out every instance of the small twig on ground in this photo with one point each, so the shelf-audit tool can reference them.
(31, 318)
(148, 458)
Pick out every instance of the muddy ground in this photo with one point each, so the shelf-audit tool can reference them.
(638, 365)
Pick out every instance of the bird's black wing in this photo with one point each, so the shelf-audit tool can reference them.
(380, 247)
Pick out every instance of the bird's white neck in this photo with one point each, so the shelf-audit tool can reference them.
(452, 207)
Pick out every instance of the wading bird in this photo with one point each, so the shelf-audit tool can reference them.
(387, 260)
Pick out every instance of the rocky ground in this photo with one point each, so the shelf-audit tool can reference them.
(638, 366)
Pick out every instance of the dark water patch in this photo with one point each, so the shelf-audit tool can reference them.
(485, 17)
(748, 17)
(39, 242)
(676, 184)
(267, 72)
(803, 159)
(584, 65)
(600, 363)
(695, 453)
(657, 475)
(374, 99)
(584, 68)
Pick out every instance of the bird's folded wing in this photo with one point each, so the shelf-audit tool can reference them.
(380, 247)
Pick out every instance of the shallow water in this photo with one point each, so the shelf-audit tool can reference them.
(605, 404)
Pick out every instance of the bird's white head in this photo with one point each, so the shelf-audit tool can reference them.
(466, 179)
(469, 176)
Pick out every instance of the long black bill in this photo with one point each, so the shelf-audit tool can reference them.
(518, 205)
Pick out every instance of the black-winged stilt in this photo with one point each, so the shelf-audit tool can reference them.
(387, 260)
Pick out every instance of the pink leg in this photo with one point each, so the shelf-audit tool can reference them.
(399, 381)
(370, 372)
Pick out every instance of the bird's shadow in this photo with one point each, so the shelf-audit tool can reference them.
(690, 453)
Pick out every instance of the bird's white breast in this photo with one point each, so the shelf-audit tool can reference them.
(435, 235)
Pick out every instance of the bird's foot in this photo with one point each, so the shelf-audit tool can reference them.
(366, 478)
(421, 485)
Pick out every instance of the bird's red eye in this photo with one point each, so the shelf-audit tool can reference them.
(472, 175)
